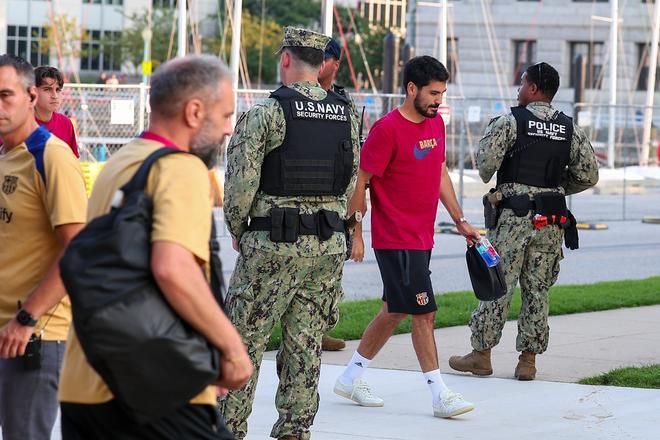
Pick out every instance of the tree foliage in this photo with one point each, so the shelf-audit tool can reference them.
(255, 45)
(371, 39)
(162, 26)
(63, 34)
(303, 13)
(277, 14)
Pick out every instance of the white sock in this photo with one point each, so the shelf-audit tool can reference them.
(435, 383)
(354, 369)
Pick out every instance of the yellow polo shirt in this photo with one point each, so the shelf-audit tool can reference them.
(42, 187)
(180, 189)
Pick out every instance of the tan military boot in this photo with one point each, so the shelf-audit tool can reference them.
(526, 369)
(477, 362)
(328, 343)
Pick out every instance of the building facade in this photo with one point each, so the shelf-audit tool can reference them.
(491, 42)
(23, 25)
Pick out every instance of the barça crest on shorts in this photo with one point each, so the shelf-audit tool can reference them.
(9, 184)
(422, 298)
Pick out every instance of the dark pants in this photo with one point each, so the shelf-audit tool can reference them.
(107, 421)
(28, 398)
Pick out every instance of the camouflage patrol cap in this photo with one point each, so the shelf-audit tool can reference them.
(300, 37)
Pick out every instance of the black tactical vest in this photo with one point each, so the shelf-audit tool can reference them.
(316, 156)
(541, 152)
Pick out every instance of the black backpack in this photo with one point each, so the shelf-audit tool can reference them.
(150, 358)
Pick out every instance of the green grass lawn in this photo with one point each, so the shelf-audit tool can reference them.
(636, 377)
(455, 308)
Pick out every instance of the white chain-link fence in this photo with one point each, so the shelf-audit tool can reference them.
(108, 116)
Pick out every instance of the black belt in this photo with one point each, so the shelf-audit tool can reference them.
(308, 224)
(518, 203)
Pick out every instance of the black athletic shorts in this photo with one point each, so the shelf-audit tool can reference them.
(107, 421)
(406, 280)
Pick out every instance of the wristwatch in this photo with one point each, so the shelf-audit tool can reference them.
(24, 318)
(461, 220)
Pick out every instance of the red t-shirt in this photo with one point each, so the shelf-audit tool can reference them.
(405, 159)
(62, 127)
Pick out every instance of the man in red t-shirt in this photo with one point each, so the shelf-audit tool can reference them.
(49, 98)
(403, 160)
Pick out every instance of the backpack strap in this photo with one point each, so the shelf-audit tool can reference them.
(139, 179)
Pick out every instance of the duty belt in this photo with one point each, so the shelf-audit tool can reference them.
(521, 205)
(265, 224)
(286, 224)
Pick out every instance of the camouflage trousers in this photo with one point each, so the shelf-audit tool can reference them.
(302, 293)
(532, 257)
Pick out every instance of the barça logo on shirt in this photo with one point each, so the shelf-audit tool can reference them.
(9, 184)
(422, 148)
(422, 298)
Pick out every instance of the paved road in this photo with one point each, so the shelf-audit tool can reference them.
(627, 250)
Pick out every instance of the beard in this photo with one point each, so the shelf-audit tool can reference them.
(206, 147)
(425, 110)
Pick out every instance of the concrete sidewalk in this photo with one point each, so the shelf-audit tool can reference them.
(583, 344)
(580, 345)
(505, 409)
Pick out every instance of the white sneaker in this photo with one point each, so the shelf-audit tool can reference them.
(451, 404)
(359, 393)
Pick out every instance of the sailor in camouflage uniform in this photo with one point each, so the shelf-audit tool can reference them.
(292, 164)
(539, 156)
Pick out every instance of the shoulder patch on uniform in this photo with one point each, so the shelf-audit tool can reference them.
(36, 145)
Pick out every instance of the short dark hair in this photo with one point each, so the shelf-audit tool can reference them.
(181, 79)
(22, 67)
(308, 55)
(332, 50)
(43, 72)
(422, 70)
(545, 77)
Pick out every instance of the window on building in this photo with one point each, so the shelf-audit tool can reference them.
(389, 13)
(100, 51)
(643, 57)
(28, 42)
(163, 4)
(594, 54)
(524, 55)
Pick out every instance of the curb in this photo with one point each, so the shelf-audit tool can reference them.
(592, 226)
(651, 220)
(450, 228)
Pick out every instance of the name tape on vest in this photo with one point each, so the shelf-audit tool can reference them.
(319, 110)
(548, 130)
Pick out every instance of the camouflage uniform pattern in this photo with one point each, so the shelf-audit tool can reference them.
(301, 37)
(302, 293)
(257, 133)
(298, 284)
(528, 255)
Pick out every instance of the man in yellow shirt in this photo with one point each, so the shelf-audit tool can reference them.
(42, 206)
(192, 103)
